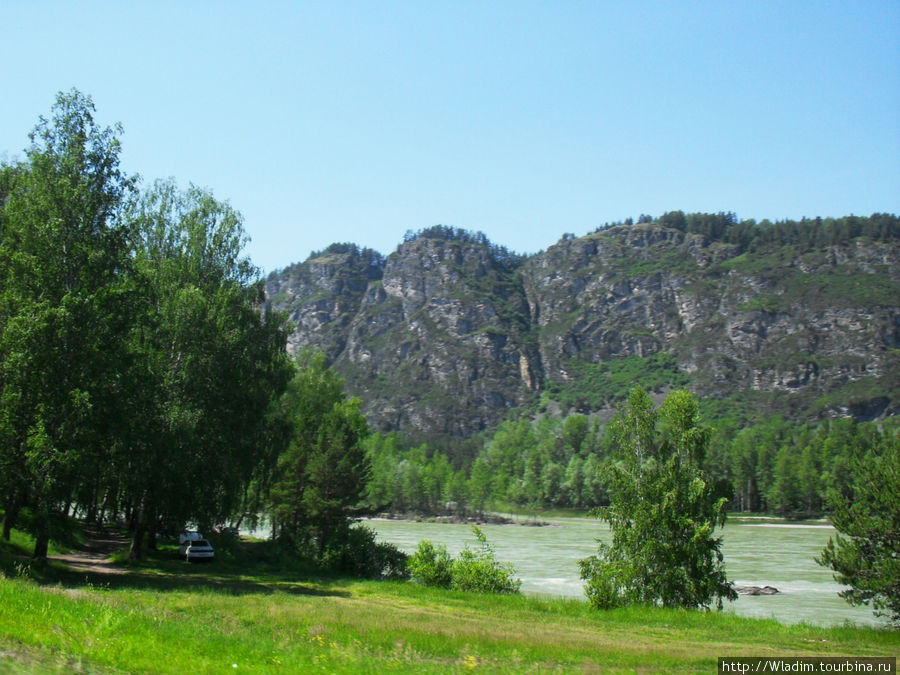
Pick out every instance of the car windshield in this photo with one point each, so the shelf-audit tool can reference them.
(199, 543)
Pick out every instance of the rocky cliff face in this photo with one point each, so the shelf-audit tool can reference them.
(448, 334)
(435, 340)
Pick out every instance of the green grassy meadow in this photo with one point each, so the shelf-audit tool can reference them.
(243, 613)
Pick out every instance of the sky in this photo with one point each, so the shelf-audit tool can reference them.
(348, 121)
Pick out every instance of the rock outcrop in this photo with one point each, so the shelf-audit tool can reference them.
(756, 590)
(449, 334)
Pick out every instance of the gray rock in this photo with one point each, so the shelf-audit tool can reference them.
(756, 590)
(447, 336)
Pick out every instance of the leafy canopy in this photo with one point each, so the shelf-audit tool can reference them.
(135, 363)
(63, 310)
(662, 512)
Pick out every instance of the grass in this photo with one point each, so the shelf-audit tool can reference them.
(21, 543)
(245, 613)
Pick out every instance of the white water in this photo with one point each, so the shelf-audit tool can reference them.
(760, 552)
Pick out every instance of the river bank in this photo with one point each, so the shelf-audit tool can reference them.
(759, 551)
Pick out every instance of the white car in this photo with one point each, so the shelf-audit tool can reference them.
(194, 548)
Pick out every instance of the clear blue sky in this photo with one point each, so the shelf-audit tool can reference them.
(358, 121)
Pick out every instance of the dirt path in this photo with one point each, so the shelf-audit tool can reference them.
(94, 556)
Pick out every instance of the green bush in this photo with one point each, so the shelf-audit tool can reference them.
(362, 556)
(476, 571)
(603, 582)
(479, 571)
(431, 565)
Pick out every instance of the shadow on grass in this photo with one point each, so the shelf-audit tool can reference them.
(137, 579)
(163, 571)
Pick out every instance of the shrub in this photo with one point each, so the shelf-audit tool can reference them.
(476, 571)
(479, 571)
(431, 565)
(361, 555)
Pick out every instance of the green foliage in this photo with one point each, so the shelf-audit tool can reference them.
(477, 571)
(480, 572)
(770, 466)
(64, 311)
(549, 463)
(431, 565)
(360, 555)
(597, 385)
(808, 232)
(136, 369)
(414, 479)
(787, 468)
(209, 364)
(865, 555)
(662, 513)
(321, 478)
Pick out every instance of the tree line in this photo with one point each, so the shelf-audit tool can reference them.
(500, 254)
(773, 467)
(356, 254)
(663, 480)
(140, 378)
(752, 235)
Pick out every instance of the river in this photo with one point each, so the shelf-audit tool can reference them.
(758, 552)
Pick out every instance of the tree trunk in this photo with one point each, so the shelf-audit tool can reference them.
(139, 528)
(137, 543)
(9, 520)
(91, 515)
(42, 538)
(41, 545)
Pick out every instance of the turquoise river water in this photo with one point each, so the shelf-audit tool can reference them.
(758, 552)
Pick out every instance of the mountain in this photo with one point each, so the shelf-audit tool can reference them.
(450, 334)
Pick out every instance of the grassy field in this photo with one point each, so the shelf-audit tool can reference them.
(241, 614)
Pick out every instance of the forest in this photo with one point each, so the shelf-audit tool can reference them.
(776, 467)
(141, 380)
(750, 235)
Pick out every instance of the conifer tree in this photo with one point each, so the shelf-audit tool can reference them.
(865, 555)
